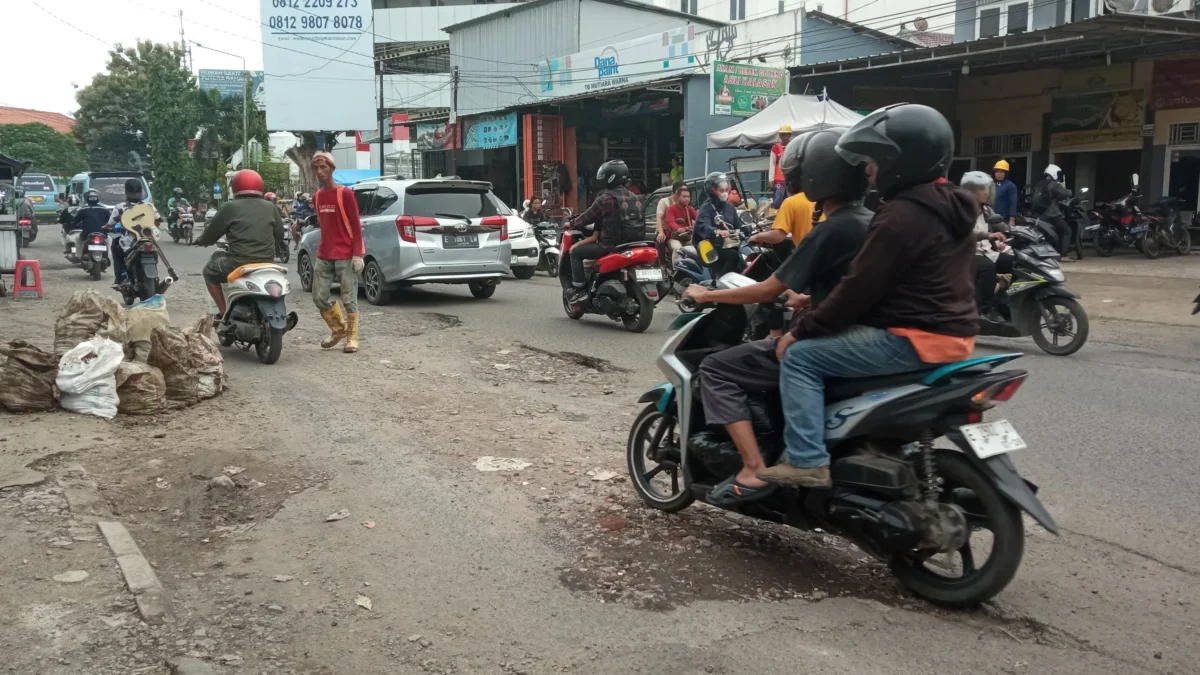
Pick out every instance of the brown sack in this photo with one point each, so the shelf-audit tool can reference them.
(27, 379)
(86, 315)
(170, 353)
(208, 362)
(141, 389)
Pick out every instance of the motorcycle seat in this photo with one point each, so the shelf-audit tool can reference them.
(839, 388)
(632, 244)
(249, 269)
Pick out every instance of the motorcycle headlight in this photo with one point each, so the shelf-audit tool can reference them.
(1056, 274)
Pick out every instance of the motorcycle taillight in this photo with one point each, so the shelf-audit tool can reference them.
(147, 247)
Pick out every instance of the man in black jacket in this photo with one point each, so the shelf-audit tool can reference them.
(618, 219)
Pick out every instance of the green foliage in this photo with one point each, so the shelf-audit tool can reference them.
(49, 151)
(276, 177)
(171, 117)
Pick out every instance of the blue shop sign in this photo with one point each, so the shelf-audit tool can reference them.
(490, 131)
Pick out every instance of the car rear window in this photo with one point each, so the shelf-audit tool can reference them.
(112, 188)
(36, 182)
(460, 201)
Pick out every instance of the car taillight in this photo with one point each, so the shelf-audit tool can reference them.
(500, 222)
(997, 393)
(407, 226)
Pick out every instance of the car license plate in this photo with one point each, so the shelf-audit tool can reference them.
(96, 248)
(649, 274)
(988, 439)
(460, 241)
(37, 198)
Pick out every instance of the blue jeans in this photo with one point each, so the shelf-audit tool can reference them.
(858, 351)
(779, 194)
(118, 259)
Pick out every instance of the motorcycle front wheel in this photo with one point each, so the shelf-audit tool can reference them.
(552, 265)
(1183, 238)
(652, 455)
(958, 579)
(1060, 326)
(1103, 242)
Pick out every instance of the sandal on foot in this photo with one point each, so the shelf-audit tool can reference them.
(730, 492)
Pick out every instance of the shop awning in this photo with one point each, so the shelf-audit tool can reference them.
(1111, 36)
(803, 113)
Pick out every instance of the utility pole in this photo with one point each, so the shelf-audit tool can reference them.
(183, 40)
(454, 76)
(382, 116)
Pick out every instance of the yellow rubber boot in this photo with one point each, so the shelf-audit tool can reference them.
(337, 325)
(351, 333)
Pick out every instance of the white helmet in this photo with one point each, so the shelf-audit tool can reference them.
(1054, 172)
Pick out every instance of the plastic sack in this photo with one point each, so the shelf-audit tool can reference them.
(170, 353)
(140, 320)
(27, 379)
(86, 315)
(141, 389)
(87, 377)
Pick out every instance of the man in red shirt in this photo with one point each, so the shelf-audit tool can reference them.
(779, 185)
(339, 256)
(679, 220)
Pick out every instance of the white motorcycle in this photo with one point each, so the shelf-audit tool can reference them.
(256, 312)
(89, 253)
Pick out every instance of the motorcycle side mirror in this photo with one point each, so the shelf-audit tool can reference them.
(1135, 180)
(1083, 190)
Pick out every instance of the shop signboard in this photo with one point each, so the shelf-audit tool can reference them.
(315, 54)
(230, 83)
(435, 137)
(741, 90)
(1097, 118)
(488, 132)
(643, 107)
(1116, 76)
(616, 65)
(1176, 85)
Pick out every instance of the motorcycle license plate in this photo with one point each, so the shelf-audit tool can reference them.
(652, 274)
(988, 439)
(514, 260)
(94, 247)
(1138, 230)
(1043, 250)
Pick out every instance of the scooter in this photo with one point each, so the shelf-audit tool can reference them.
(95, 260)
(1036, 301)
(622, 285)
(139, 242)
(29, 230)
(284, 252)
(548, 256)
(256, 310)
(913, 506)
(184, 227)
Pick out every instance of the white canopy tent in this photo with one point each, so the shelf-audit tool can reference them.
(804, 113)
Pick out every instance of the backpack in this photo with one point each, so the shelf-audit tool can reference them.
(1041, 201)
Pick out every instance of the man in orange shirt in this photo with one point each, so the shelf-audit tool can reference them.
(777, 182)
(908, 300)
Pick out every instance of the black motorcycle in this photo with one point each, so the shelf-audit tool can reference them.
(139, 244)
(922, 510)
(1166, 231)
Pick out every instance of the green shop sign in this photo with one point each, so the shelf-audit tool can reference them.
(742, 90)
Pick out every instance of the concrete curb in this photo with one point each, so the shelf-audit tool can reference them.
(148, 591)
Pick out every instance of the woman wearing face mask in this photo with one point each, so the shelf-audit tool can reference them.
(716, 220)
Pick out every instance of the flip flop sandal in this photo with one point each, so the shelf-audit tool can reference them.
(730, 492)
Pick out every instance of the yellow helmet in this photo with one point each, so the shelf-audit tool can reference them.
(1002, 165)
(785, 129)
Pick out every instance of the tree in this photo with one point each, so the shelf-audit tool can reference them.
(47, 150)
(302, 155)
(221, 131)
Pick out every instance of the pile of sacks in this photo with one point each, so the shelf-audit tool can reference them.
(108, 360)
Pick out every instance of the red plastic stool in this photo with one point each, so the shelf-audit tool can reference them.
(28, 280)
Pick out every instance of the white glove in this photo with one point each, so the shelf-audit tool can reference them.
(356, 263)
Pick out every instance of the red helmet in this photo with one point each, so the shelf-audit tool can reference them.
(270, 196)
(246, 182)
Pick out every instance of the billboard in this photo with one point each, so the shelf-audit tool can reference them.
(741, 90)
(230, 82)
(437, 137)
(1099, 118)
(488, 132)
(320, 65)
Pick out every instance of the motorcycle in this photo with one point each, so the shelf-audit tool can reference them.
(622, 285)
(913, 506)
(549, 253)
(1166, 231)
(95, 260)
(139, 243)
(283, 252)
(184, 224)
(29, 230)
(1035, 302)
(256, 310)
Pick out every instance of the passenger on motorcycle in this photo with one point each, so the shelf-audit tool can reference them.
(1047, 193)
(906, 302)
(534, 215)
(728, 378)
(617, 216)
(678, 221)
(92, 217)
(729, 258)
(134, 194)
(252, 228)
(991, 251)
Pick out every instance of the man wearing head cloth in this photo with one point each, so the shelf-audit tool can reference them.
(339, 256)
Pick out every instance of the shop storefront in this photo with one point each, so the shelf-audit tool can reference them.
(1175, 102)
(489, 153)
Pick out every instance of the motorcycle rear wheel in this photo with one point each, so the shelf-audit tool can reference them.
(147, 288)
(1149, 244)
(654, 437)
(645, 315)
(1103, 243)
(985, 509)
(97, 270)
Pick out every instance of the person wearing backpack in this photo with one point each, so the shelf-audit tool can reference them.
(1047, 193)
(339, 255)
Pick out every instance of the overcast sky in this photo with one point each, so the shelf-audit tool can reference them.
(53, 55)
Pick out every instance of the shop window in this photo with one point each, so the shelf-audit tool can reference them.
(1186, 133)
(689, 7)
(1003, 18)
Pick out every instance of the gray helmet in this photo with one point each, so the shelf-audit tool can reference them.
(910, 144)
(823, 173)
(92, 197)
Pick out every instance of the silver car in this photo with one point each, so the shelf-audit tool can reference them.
(432, 231)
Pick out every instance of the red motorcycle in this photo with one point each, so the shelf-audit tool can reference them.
(622, 285)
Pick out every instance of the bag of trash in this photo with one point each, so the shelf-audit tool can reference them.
(27, 379)
(140, 388)
(87, 377)
(170, 353)
(86, 315)
(140, 320)
(208, 362)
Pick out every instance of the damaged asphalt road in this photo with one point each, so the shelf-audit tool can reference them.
(555, 566)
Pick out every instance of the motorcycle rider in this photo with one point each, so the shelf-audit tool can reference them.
(618, 219)
(252, 228)
(991, 251)
(907, 301)
(24, 205)
(1047, 193)
(92, 217)
(678, 221)
(175, 206)
(812, 165)
(67, 216)
(135, 193)
(717, 185)
(301, 210)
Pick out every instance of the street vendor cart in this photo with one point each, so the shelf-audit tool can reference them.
(10, 229)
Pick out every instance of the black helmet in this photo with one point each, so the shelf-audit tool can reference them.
(177, 192)
(910, 143)
(613, 173)
(824, 174)
(19, 192)
(712, 182)
(92, 197)
(789, 163)
(134, 190)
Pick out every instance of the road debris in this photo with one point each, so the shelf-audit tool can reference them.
(283, 578)
(368, 524)
(363, 601)
(222, 483)
(489, 463)
(337, 515)
(72, 577)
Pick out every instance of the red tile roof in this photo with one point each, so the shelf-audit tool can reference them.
(926, 38)
(56, 121)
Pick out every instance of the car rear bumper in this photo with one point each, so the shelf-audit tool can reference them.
(452, 277)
